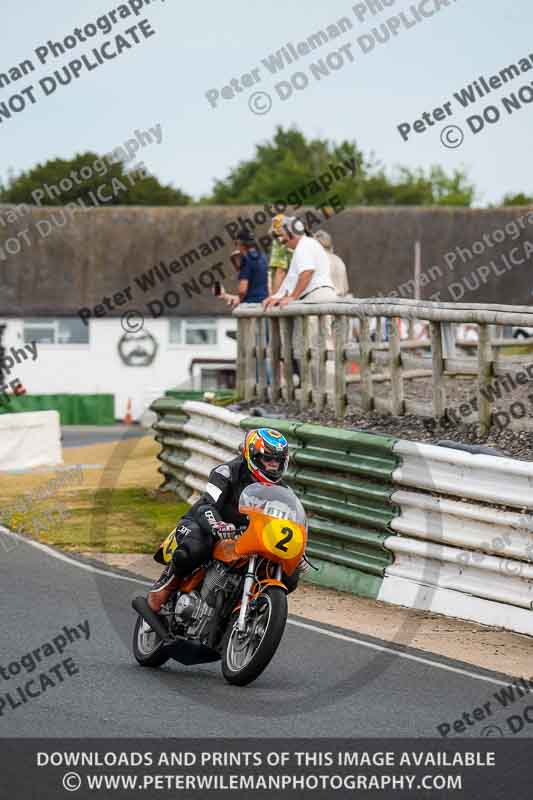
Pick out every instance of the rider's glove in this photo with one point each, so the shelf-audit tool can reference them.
(224, 530)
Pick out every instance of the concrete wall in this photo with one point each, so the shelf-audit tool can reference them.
(479, 256)
(64, 263)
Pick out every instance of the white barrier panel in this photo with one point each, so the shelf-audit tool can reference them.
(426, 563)
(30, 439)
(461, 524)
(458, 557)
(404, 592)
(214, 425)
(491, 479)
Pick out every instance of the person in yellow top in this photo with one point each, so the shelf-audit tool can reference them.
(280, 255)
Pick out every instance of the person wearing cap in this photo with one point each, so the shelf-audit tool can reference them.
(252, 267)
(339, 274)
(309, 275)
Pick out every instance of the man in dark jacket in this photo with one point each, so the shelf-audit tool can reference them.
(264, 459)
(252, 268)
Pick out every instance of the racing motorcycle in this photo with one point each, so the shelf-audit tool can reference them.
(233, 608)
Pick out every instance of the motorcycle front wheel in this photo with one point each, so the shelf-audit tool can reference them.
(148, 648)
(245, 655)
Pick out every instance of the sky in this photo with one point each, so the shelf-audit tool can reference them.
(196, 48)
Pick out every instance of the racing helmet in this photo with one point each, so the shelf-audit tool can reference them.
(265, 444)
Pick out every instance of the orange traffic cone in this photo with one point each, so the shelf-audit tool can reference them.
(128, 419)
(19, 388)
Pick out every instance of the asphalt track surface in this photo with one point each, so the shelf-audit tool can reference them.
(322, 682)
(82, 435)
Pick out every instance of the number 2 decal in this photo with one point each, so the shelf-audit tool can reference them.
(282, 542)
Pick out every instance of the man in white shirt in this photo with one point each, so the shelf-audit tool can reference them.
(309, 275)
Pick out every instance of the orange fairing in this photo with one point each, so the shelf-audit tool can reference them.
(281, 541)
(224, 550)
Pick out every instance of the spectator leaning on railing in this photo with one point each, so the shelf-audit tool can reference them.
(252, 267)
(280, 259)
(308, 279)
(309, 274)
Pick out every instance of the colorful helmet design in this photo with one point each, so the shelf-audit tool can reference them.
(265, 445)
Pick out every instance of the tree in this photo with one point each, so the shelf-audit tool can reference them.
(59, 181)
(418, 188)
(280, 167)
(519, 199)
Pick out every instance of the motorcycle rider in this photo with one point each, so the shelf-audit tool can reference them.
(264, 459)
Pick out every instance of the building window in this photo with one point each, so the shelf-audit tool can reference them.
(70, 330)
(194, 331)
(216, 379)
(175, 332)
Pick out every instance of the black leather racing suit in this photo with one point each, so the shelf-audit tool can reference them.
(219, 502)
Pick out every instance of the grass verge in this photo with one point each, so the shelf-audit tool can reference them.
(109, 505)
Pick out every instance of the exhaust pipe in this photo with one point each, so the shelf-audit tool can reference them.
(141, 606)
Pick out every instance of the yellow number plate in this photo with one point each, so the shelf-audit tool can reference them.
(283, 539)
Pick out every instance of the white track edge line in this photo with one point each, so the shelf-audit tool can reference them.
(60, 557)
(399, 653)
(324, 631)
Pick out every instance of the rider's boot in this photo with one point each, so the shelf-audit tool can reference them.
(161, 590)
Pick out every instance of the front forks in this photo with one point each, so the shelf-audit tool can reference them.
(248, 583)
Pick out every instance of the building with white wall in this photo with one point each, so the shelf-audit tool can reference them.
(70, 357)
(103, 265)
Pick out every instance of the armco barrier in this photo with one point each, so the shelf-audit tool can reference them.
(344, 480)
(194, 438)
(411, 524)
(470, 557)
(349, 507)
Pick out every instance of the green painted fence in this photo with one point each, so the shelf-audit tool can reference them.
(74, 409)
(222, 396)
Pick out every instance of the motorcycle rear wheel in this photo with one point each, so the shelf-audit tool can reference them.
(245, 656)
(148, 649)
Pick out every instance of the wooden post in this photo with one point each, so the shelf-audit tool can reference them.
(261, 359)
(437, 366)
(395, 358)
(484, 377)
(320, 395)
(418, 269)
(306, 389)
(287, 327)
(250, 378)
(241, 353)
(341, 399)
(275, 359)
(365, 345)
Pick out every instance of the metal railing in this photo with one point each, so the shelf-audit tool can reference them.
(316, 340)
